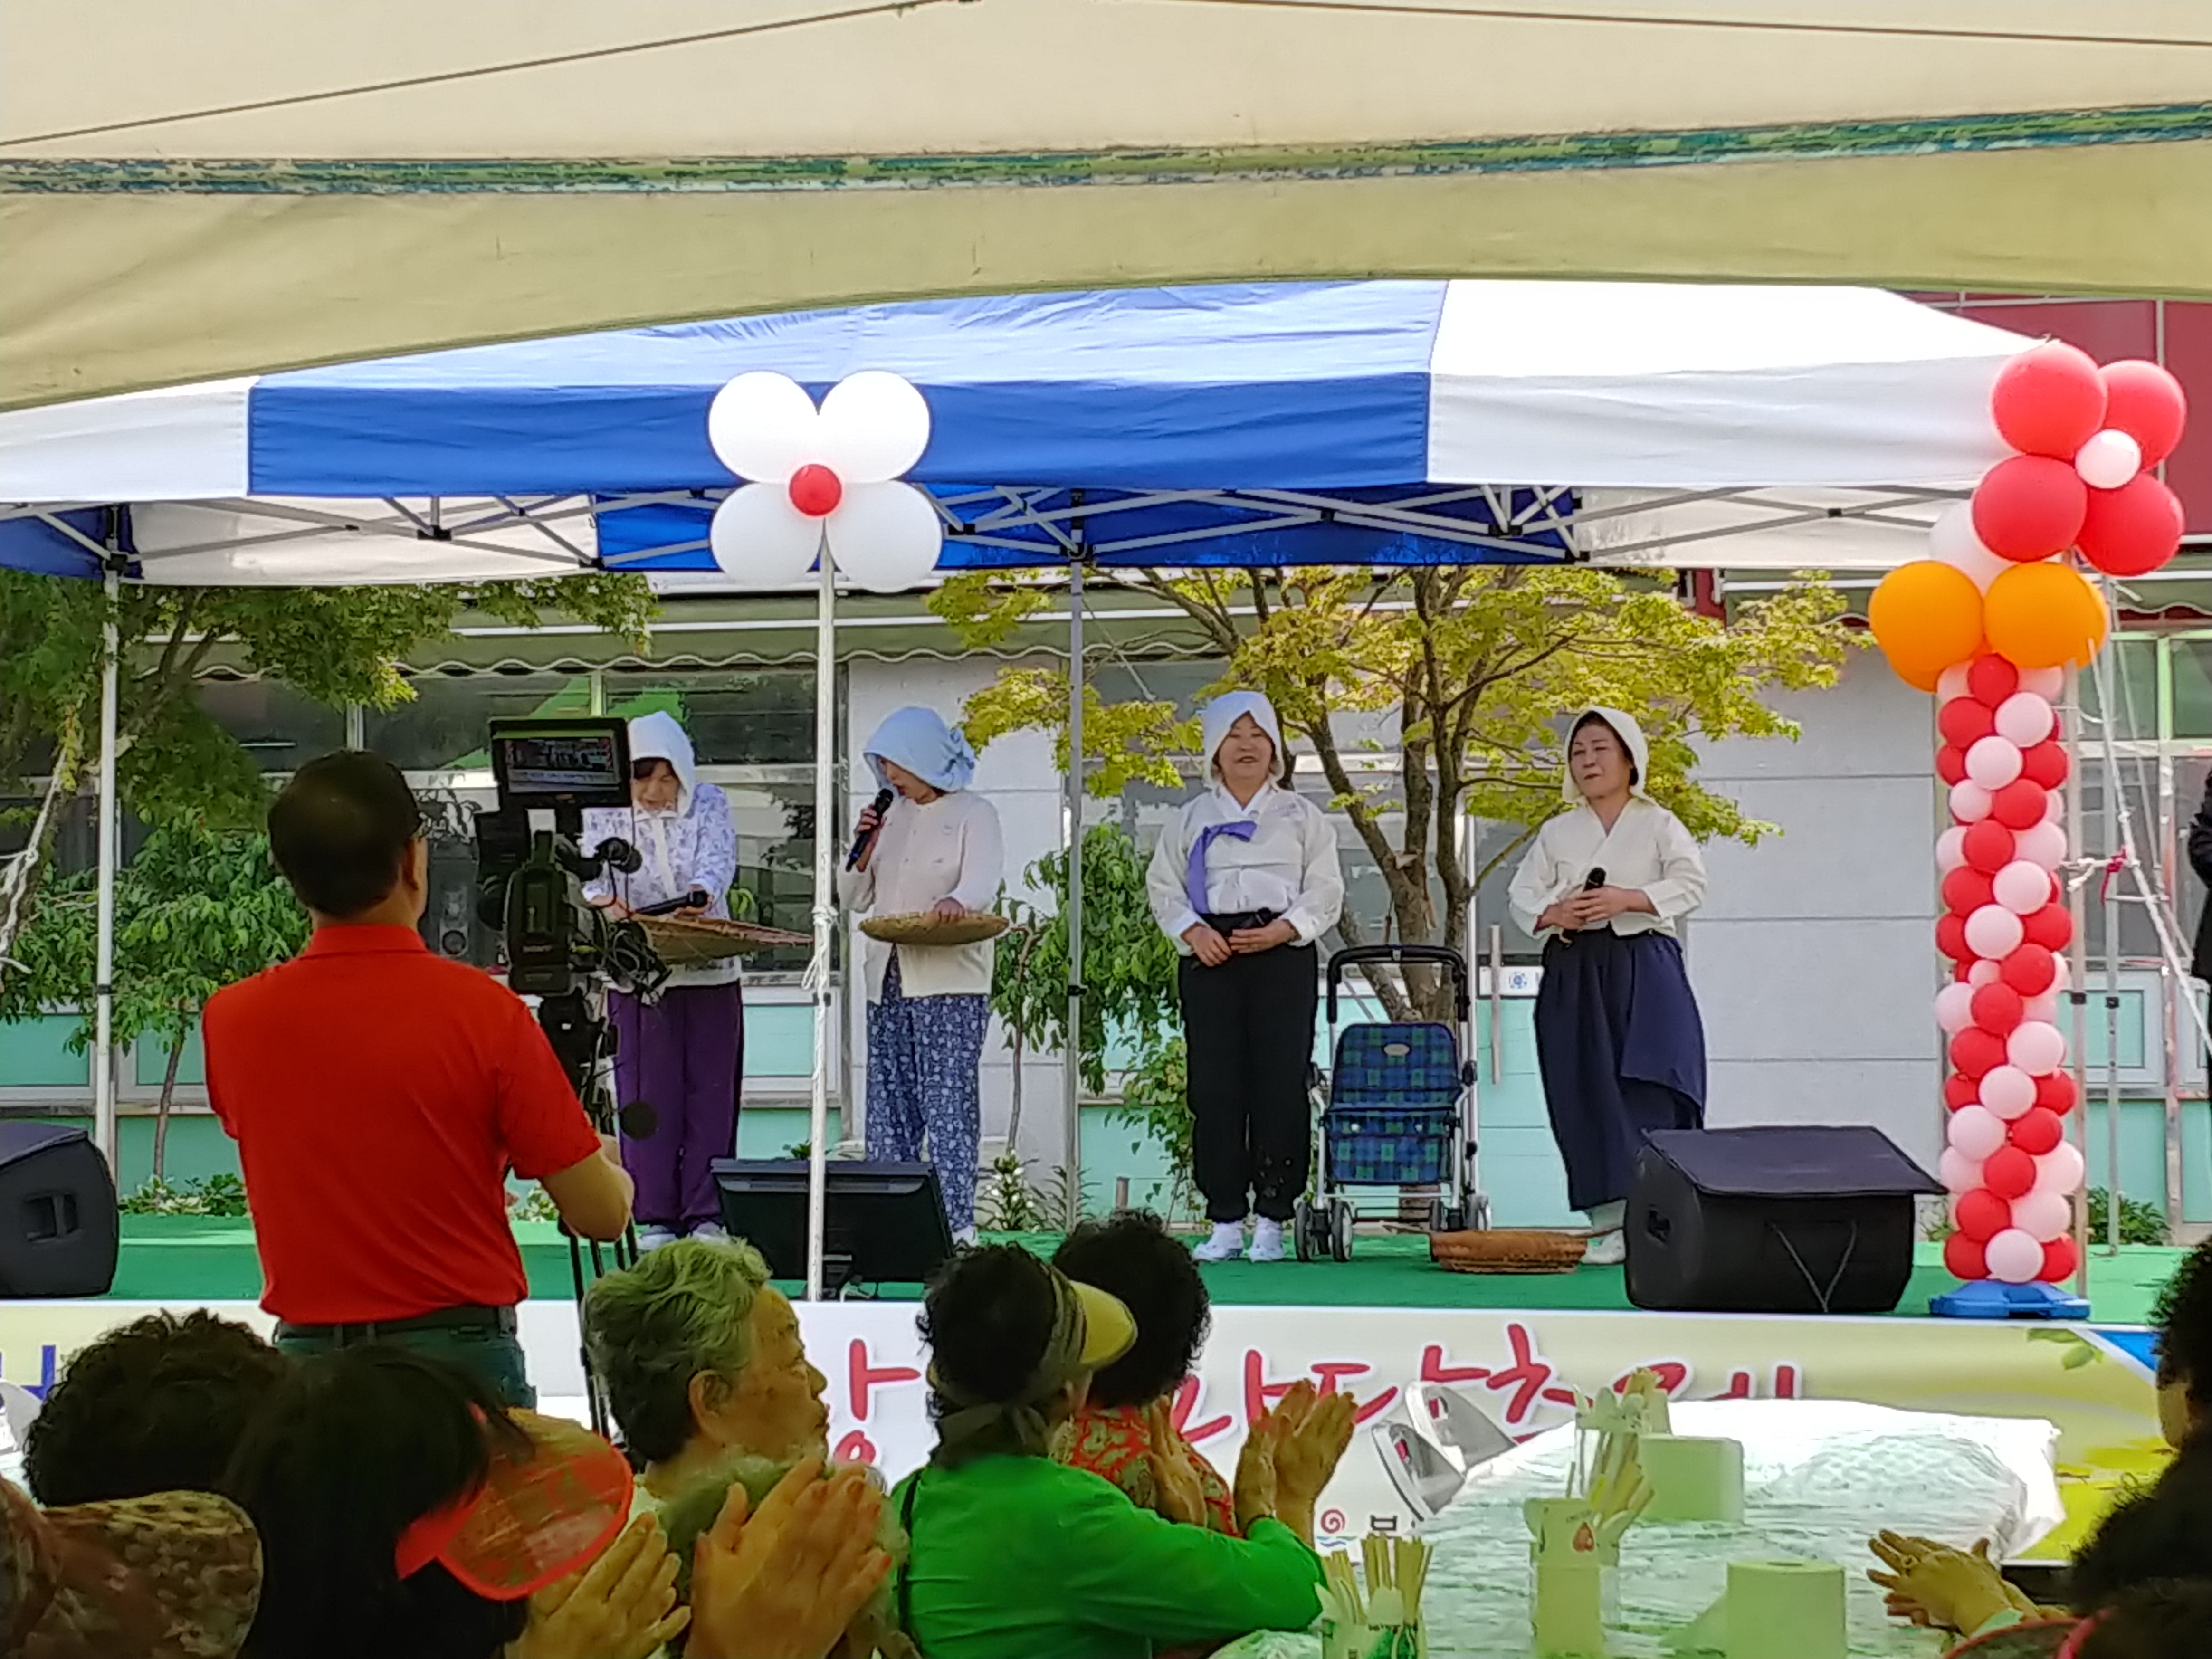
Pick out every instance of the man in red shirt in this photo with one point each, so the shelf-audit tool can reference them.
(380, 1094)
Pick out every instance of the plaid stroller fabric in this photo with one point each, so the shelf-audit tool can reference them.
(1393, 1105)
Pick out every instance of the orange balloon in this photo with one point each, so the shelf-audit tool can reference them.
(2045, 616)
(1926, 616)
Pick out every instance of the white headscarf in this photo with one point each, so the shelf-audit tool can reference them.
(1224, 711)
(657, 736)
(1632, 739)
(918, 741)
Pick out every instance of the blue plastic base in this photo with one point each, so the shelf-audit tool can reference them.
(1989, 1299)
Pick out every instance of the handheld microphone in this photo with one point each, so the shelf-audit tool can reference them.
(1595, 880)
(882, 805)
(696, 899)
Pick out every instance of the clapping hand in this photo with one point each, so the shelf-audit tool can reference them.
(621, 1606)
(1177, 1491)
(1290, 1456)
(1934, 1585)
(786, 1582)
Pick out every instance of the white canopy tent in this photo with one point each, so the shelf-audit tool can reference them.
(191, 191)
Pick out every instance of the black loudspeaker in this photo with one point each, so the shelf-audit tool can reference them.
(883, 1224)
(1773, 1220)
(58, 1234)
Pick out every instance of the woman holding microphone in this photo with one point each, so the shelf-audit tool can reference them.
(1245, 882)
(935, 848)
(1619, 1040)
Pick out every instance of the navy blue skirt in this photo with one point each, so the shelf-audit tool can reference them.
(1622, 1052)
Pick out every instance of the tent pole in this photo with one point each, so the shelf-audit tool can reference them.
(1071, 1068)
(825, 911)
(2077, 978)
(103, 976)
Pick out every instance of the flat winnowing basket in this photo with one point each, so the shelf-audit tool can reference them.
(923, 927)
(691, 941)
(1507, 1250)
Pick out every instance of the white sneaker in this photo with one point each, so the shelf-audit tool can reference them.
(1608, 1249)
(712, 1231)
(652, 1238)
(1267, 1241)
(963, 1238)
(1227, 1242)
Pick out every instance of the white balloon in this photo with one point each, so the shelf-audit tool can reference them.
(2044, 1008)
(1975, 1131)
(1993, 932)
(763, 427)
(1982, 971)
(2043, 845)
(2025, 720)
(2045, 683)
(762, 539)
(2054, 807)
(1969, 802)
(1950, 849)
(2063, 963)
(2036, 1047)
(2108, 460)
(885, 536)
(1954, 1007)
(1958, 1172)
(2021, 887)
(874, 426)
(2042, 1216)
(2008, 1092)
(1951, 682)
(1993, 762)
(2014, 1257)
(2060, 1170)
(1952, 539)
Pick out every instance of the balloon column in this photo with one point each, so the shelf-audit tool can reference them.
(1990, 623)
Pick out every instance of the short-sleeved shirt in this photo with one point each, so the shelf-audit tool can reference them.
(1117, 1442)
(378, 1095)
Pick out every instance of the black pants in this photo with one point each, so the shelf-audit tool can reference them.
(1248, 1029)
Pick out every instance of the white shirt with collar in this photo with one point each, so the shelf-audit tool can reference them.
(1289, 865)
(948, 848)
(1647, 848)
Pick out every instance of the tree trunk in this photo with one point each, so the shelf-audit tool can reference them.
(19, 876)
(168, 1098)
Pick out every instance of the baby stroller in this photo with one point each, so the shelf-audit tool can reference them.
(1399, 1111)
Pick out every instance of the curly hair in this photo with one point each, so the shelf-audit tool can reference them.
(986, 1320)
(2184, 1319)
(2166, 1619)
(1131, 1255)
(684, 1311)
(158, 1405)
(2162, 1531)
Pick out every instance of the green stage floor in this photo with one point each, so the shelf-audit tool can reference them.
(207, 1259)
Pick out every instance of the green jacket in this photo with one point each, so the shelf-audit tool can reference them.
(1020, 1557)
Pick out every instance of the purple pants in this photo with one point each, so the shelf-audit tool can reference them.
(684, 1056)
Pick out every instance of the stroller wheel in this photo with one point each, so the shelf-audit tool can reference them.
(1339, 1229)
(1302, 1230)
(1446, 1218)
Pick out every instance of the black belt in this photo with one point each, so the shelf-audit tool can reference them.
(500, 1320)
(1237, 922)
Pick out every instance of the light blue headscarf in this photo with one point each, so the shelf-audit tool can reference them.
(919, 740)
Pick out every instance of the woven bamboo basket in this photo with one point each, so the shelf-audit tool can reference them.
(690, 941)
(1507, 1250)
(922, 927)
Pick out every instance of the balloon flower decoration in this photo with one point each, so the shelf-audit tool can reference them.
(822, 477)
(1990, 623)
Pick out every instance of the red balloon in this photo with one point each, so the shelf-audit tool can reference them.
(1977, 1052)
(1960, 970)
(1997, 1008)
(2028, 507)
(1964, 721)
(1960, 1092)
(1981, 1215)
(2060, 1258)
(1951, 764)
(2050, 927)
(1989, 846)
(2036, 1131)
(2010, 1173)
(815, 491)
(2055, 1092)
(2133, 530)
(2019, 804)
(2030, 970)
(1951, 938)
(2145, 402)
(2044, 764)
(1967, 890)
(2048, 400)
(1991, 679)
(1963, 1258)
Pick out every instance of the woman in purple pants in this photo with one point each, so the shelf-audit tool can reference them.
(681, 1052)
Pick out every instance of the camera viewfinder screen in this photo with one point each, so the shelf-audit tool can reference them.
(582, 763)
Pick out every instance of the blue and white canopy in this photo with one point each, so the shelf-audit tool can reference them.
(1354, 422)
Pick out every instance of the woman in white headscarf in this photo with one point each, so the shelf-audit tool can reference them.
(937, 848)
(1619, 1040)
(682, 1051)
(1245, 882)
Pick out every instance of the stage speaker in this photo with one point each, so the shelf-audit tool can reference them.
(883, 1224)
(58, 1233)
(1795, 1220)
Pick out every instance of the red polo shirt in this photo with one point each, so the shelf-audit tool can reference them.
(378, 1095)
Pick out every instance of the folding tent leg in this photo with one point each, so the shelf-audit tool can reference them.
(825, 911)
(103, 1046)
(1072, 1071)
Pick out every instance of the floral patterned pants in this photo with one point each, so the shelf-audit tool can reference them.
(923, 1053)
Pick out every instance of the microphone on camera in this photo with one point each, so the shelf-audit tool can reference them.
(638, 1120)
(882, 805)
